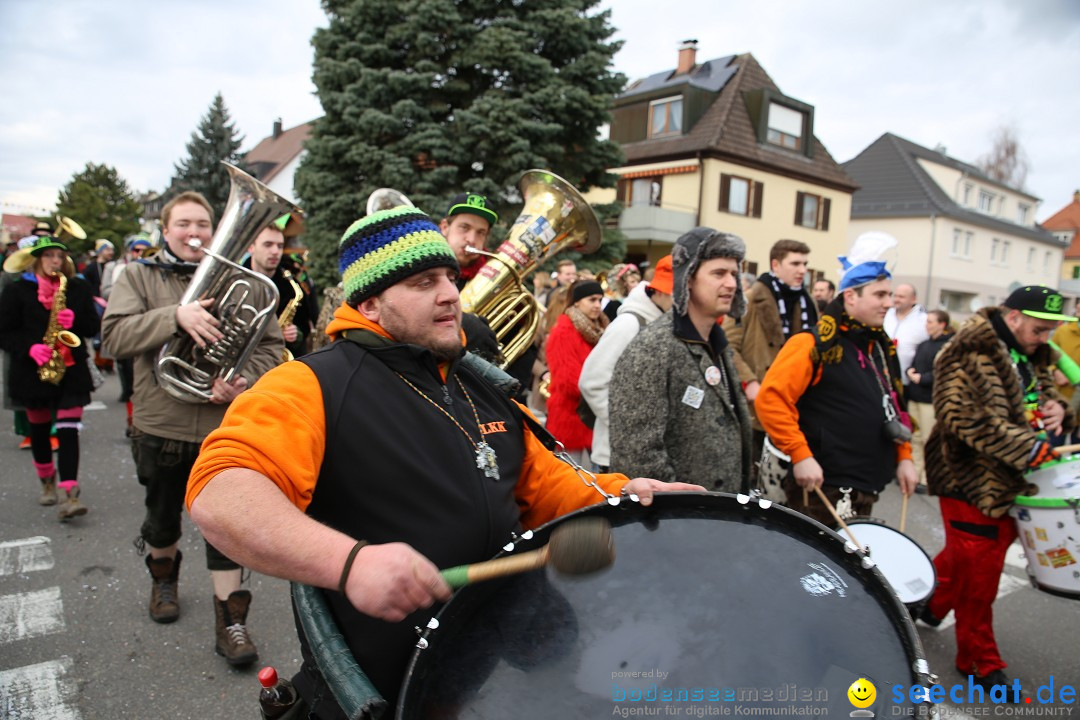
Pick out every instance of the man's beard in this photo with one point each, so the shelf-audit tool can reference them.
(392, 322)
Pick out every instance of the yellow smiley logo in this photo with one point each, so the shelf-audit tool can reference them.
(862, 693)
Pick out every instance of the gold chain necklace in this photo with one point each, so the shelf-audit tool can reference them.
(486, 459)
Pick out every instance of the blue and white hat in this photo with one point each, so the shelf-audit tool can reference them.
(867, 260)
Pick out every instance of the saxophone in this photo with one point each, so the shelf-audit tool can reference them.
(289, 312)
(53, 370)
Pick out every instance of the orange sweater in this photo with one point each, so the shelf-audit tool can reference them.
(278, 429)
(788, 378)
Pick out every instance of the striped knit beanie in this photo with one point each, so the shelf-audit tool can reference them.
(388, 246)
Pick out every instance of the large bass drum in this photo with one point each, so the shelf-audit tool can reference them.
(715, 602)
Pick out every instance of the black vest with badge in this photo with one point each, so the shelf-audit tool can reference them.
(842, 419)
(396, 469)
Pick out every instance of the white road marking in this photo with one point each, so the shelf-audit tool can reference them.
(44, 691)
(95, 405)
(30, 614)
(1009, 583)
(26, 555)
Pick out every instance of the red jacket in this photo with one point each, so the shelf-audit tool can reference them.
(566, 351)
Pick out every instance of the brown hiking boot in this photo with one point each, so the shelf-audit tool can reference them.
(48, 491)
(233, 640)
(71, 507)
(165, 592)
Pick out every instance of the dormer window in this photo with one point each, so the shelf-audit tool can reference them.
(665, 117)
(986, 202)
(785, 126)
(781, 121)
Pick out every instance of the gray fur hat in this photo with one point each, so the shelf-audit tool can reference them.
(691, 250)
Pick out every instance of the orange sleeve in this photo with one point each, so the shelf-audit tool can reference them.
(903, 452)
(549, 488)
(785, 382)
(276, 428)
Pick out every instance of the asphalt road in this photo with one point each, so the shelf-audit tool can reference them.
(76, 640)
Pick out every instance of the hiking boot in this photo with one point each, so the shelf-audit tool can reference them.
(165, 591)
(48, 491)
(233, 640)
(71, 507)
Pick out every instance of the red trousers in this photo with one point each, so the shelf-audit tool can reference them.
(968, 571)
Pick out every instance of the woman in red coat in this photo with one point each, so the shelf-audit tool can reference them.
(569, 343)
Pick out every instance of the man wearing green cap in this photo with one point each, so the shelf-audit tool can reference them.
(366, 466)
(997, 413)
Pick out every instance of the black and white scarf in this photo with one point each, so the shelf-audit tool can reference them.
(783, 293)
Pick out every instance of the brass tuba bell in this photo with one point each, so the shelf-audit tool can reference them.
(68, 229)
(555, 217)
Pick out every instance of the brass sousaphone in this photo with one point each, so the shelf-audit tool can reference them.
(555, 217)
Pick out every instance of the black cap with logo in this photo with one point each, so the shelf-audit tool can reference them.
(1039, 301)
(473, 204)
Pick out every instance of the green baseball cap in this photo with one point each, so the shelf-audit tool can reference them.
(473, 204)
(1039, 301)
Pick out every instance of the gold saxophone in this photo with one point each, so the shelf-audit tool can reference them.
(53, 370)
(289, 312)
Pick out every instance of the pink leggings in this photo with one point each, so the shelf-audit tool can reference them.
(68, 424)
(44, 415)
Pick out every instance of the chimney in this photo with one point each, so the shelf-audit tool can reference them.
(277, 128)
(1076, 196)
(687, 57)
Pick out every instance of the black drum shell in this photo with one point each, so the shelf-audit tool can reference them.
(733, 598)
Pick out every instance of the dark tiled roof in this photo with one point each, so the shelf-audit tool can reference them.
(278, 151)
(893, 184)
(726, 131)
(710, 75)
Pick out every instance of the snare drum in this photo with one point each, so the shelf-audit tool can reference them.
(714, 602)
(1049, 527)
(901, 560)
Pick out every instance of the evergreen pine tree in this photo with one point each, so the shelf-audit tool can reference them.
(101, 202)
(435, 97)
(216, 139)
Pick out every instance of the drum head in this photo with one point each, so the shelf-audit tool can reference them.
(711, 601)
(901, 560)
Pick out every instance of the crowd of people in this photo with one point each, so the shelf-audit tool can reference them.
(678, 378)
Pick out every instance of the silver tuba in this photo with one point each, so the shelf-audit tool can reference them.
(246, 301)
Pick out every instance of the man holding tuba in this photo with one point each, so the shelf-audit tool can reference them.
(144, 313)
(467, 224)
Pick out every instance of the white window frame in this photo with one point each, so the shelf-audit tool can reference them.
(669, 102)
(782, 133)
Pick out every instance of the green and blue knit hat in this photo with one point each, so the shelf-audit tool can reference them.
(388, 246)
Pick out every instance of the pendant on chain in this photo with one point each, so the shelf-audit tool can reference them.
(487, 461)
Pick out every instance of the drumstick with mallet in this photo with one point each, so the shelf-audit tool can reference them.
(577, 547)
(836, 516)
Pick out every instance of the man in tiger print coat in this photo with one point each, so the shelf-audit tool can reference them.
(997, 408)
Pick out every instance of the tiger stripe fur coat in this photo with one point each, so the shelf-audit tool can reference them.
(981, 441)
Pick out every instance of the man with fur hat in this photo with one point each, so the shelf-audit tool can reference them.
(997, 408)
(833, 400)
(364, 467)
(676, 409)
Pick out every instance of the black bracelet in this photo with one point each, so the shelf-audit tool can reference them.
(348, 564)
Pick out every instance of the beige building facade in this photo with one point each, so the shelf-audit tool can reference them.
(717, 144)
(965, 240)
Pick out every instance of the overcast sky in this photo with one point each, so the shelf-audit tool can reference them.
(125, 82)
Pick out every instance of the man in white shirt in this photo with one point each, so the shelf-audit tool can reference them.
(905, 323)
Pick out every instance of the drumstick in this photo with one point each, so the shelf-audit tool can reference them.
(1067, 449)
(903, 513)
(577, 547)
(837, 517)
